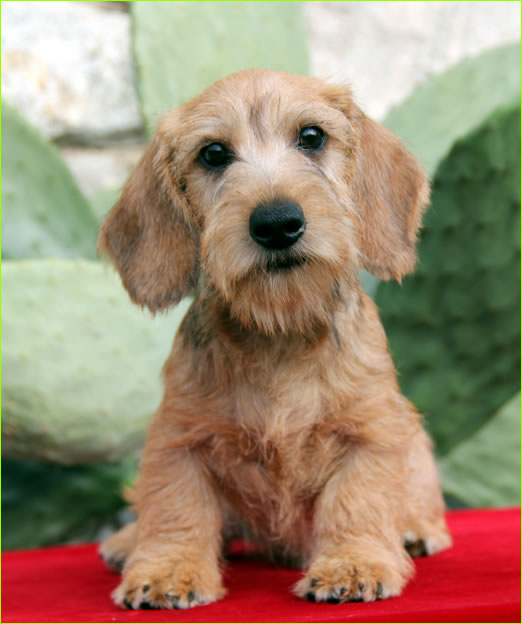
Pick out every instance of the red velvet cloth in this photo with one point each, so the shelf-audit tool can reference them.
(478, 580)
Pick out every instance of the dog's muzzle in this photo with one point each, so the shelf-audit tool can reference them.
(278, 224)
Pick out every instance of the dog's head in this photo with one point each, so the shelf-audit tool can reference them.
(274, 190)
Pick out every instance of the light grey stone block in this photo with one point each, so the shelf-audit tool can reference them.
(386, 49)
(67, 67)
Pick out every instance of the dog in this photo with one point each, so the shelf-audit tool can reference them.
(281, 419)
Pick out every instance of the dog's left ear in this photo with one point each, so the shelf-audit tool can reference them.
(391, 194)
(150, 233)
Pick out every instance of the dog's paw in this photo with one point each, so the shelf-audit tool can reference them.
(351, 579)
(427, 539)
(116, 548)
(168, 586)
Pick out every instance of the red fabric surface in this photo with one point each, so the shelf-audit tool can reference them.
(478, 580)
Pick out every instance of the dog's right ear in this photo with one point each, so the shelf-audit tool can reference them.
(149, 233)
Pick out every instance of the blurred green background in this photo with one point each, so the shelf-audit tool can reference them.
(76, 398)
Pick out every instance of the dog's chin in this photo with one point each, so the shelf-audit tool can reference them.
(286, 294)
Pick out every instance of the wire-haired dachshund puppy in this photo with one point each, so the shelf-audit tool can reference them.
(282, 419)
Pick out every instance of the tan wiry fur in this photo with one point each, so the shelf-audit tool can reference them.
(281, 417)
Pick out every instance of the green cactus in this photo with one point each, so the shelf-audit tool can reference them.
(81, 364)
(180, 48)
(43, 211)
(453, 104)
(103, 201)
(484, 470)
(44, 504)
(454, 326)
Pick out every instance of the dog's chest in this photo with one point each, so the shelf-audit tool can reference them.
(273, 450)
(272, 479)
(275, 436)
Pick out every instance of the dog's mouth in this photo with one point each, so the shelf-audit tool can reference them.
(285, 263)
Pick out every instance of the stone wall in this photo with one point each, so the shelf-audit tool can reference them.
(68, 65)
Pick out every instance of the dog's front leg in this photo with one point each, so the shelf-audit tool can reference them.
(357, 553)
(175, 562)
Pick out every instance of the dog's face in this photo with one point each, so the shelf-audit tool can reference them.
(275, 189)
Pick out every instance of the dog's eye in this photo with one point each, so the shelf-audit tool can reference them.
(311, 139)
(215, 156)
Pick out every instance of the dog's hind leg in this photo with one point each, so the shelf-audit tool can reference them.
(116, 548)
(426, 531)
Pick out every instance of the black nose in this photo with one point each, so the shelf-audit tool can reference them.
(277, 224)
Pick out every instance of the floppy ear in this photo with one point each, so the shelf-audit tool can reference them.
(149, 234)
(391, 194)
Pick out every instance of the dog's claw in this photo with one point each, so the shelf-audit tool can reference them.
(113, 563)
(173, 599)
(416, 548)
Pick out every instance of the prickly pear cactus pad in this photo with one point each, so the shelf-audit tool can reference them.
(453, 104)
(80, 363)
(44, 213)
(484, 469)
(454, 325)
(44, 503)
(180, 48)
